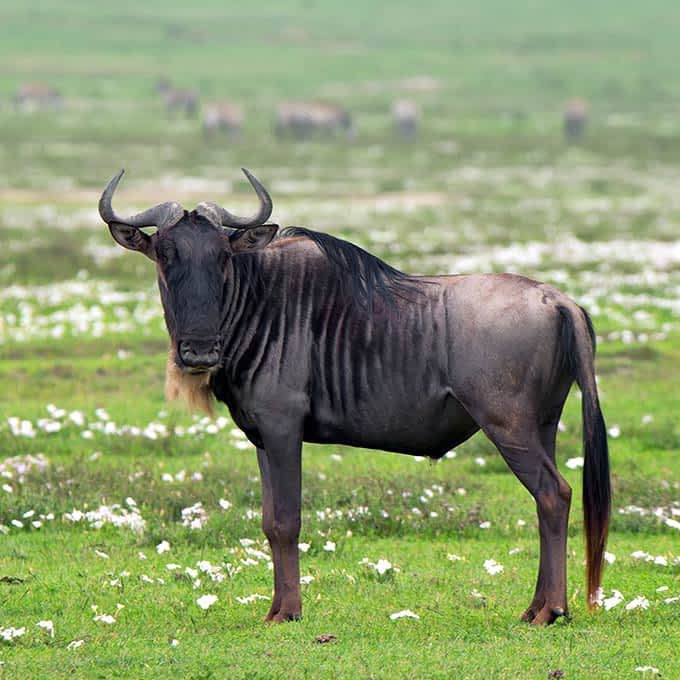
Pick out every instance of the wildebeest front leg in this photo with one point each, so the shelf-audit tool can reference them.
(268, 526)
(280, 469)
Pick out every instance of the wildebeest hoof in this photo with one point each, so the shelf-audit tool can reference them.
(529, 615)
(548, 615)
(282, 617)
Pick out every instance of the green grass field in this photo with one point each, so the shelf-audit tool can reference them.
(96, 469)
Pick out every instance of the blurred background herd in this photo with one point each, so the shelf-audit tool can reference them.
(299, 120)
(216, 75)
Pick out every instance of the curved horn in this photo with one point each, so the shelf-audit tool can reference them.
(162, 215)
(227, 219)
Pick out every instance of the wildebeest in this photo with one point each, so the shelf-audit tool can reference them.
(178, 100)
(310, 338)
(302, 120)
(37, 96)
(405, 118)
(223, 117)
(575, 119)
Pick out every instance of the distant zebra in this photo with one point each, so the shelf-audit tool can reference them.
(302, 120)
(223, 117)
(37, 97)
(575, 119)
(177, 100)
(405, 118)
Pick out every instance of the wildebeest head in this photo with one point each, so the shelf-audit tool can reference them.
(192, 252)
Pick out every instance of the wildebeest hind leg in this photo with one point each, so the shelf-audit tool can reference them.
(529, 451)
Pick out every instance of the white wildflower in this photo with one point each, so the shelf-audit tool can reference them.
(105, 618)
(640, 602)
(162, 547)
(640, 555)
(9, 634)
(194, 516)
(613, 601)
(492, 567)
(249, 599)
(404, 613)
(47, 626)
(206, 601)
(382, 566)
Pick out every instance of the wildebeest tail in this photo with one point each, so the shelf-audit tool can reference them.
(578, 345)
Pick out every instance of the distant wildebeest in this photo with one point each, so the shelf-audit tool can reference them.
(178, 100)
(575, 119)
(310, 338)
(306, 119)
(223, 117)
(37, 97)
(405, 118)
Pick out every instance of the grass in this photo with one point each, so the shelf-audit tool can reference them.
(489, 185)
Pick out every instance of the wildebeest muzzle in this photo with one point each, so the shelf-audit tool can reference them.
(198, 355)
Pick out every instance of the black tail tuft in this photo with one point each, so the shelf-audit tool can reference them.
(596, 500)
(578, 343)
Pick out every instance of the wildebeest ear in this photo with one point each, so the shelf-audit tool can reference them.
(252, 239)
(131, 238)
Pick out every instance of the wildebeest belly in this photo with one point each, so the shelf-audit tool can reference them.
(423, 426)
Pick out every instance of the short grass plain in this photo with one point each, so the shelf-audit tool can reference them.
(489, 185)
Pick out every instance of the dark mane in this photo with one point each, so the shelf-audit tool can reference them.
(363, 275)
